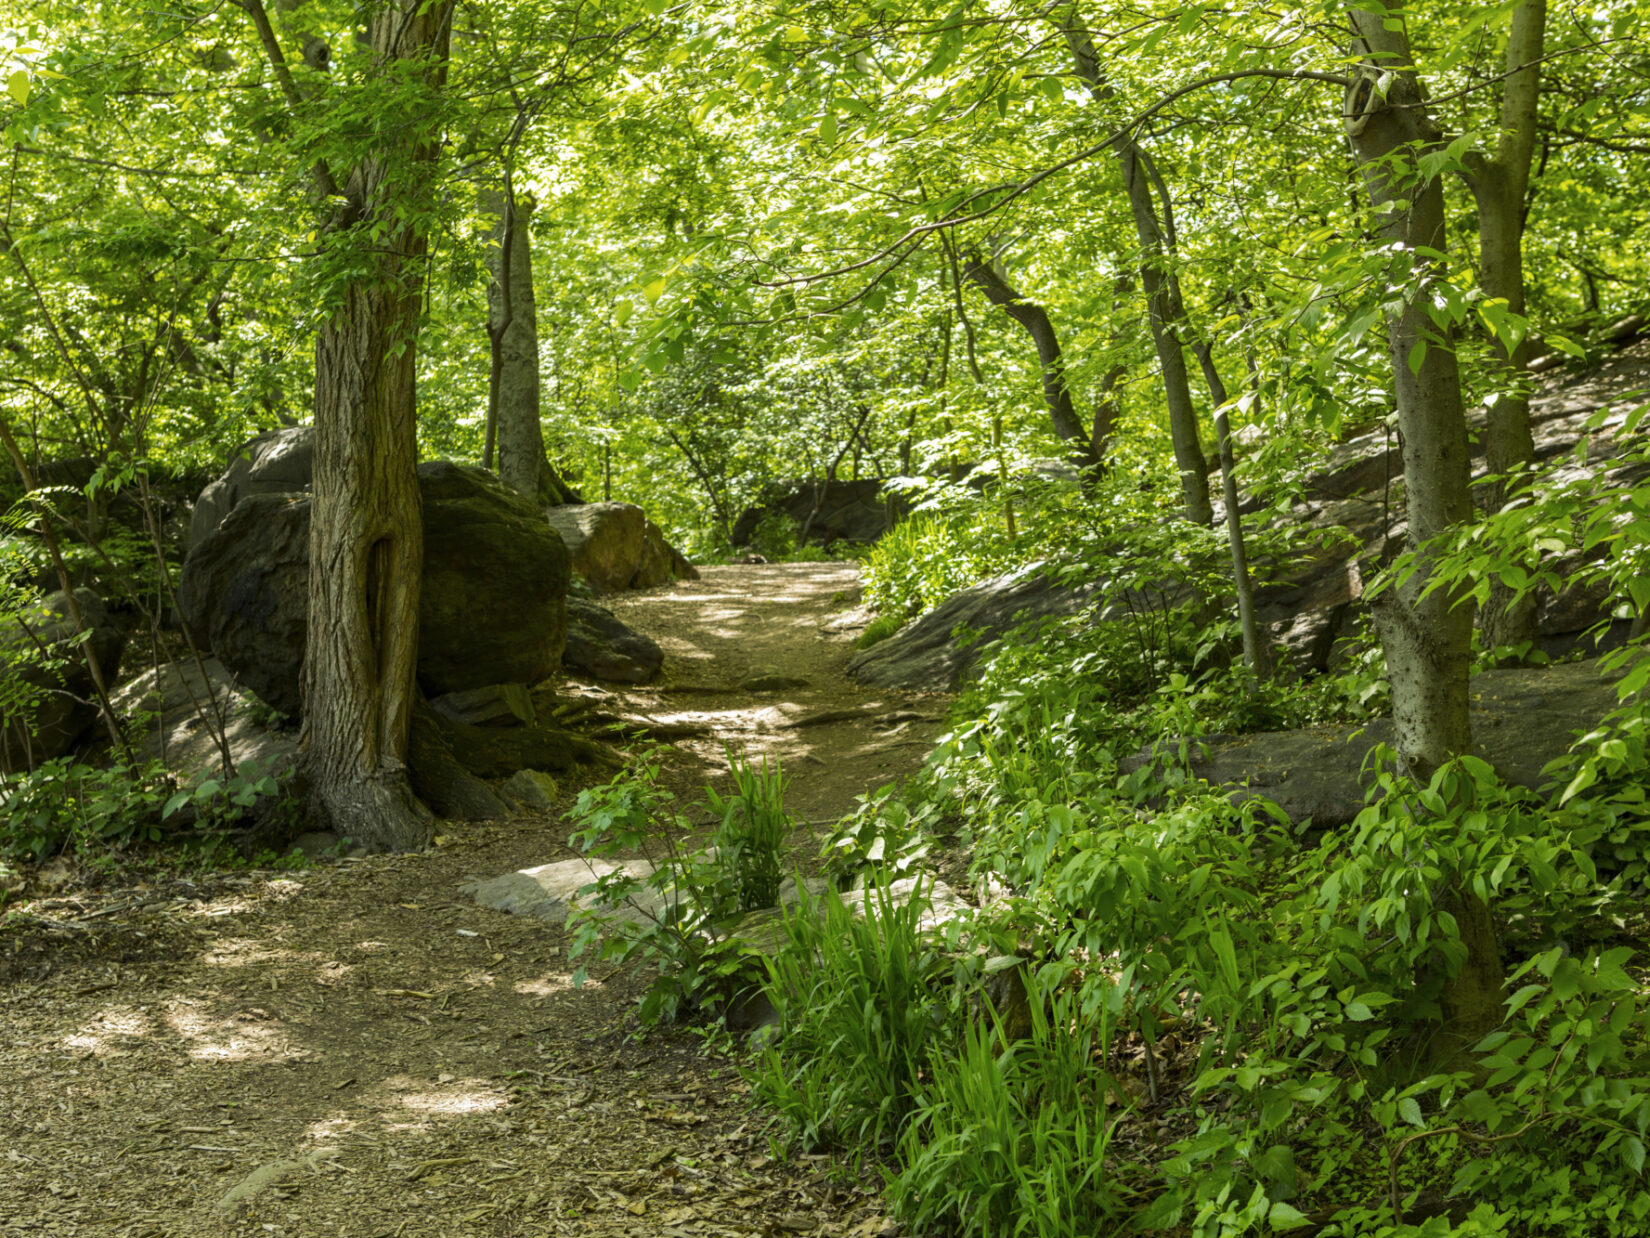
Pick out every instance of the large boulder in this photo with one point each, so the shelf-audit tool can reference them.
(491, 609)
(187, 713)
(275, 462)
(42, 660)
(244, 593)
(615, 547)
(602, 646)
(935, 652)
(850, 511)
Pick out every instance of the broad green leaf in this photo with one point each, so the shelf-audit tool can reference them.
(1286, 1216)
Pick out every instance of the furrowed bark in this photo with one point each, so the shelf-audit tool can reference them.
(366, 541)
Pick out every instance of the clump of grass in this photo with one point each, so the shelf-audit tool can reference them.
(882, 627)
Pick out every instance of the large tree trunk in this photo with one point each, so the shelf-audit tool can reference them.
(513, 331)
(366, 546)
(1426, 637)
(1499, 185)
(1034, 318)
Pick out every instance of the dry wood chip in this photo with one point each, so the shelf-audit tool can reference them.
(440, 1162)
(677, 1117)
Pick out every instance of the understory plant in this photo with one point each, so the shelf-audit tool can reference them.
(1255, 1010)
(859, 1011)
(677, 910)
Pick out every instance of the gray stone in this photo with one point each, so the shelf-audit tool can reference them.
(614, 547)
(550, 891)
(65, 703)
(764, 930)
(189, 712)
(244, 593)
(493, 606)
(276, 462)
(851, 511)
(498, 704)
(602, 646)
(532, 787)
(926, 654)
(1522, 718)
(491, 609)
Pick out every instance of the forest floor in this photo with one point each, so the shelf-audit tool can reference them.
(391, 1059)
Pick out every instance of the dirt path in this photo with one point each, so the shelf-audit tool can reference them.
(795, 621)
(403, 1062)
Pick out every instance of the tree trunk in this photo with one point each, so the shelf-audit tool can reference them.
(1427, 639)
(1499, 186)
(1167, 313)
(1034, 318)
(366, 545)
(1255, 652)
(513, 332)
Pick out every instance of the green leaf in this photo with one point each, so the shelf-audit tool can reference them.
(653, 290)
(622, 312)
(1632, 1151)
(1286, 1216)
(1417, 357)
(1410, 1112)
(827, 128)
(1221, 941)
(17, 86)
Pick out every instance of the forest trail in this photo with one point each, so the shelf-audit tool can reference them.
(742, 625)
(397, 1062)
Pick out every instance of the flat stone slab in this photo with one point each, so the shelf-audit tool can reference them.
(1521, 720)
(764, 931)
(550, 892)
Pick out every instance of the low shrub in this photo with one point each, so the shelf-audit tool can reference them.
(677, 917)
(66, 805)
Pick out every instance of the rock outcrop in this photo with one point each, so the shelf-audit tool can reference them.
(614, 547)
(1309, 608)
(850, 511)
(937, 651)
(1521, 719)
(41, 658)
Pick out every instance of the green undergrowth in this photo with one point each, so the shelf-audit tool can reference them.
(678, 915)
(102, 814)
(1222, 1022)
